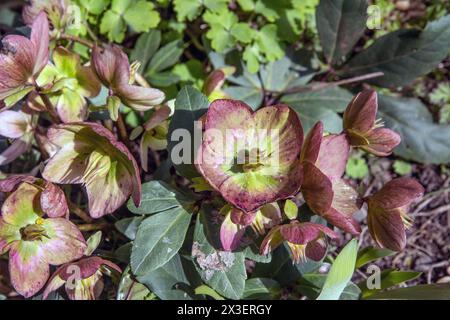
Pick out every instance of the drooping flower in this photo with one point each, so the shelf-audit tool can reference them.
(251, 158)
(326, 193)
(52, 199)
(35, 242)
(22, 60)
(91, 155)
(305, 240)
(236, 221)
(82, 278)
(67, 83)
(362, 128)
(112, 67)
(20, 127)
(387, 212)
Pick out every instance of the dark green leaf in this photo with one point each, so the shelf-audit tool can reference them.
(261, 289)
(166, 57)
(370, 254)
(422, 140)
(421, 292)
(340, 24)
(158, 239)
(388, 278)
(145, 48)
(130, 289)
(129, 226)
(403, 55)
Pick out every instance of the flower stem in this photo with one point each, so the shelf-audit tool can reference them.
(84, 42)
(50, 107)
(79, 212)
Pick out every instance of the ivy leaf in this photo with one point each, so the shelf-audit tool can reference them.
(321, 105)
(223, 271)
(158, 239)
(422, 140)
(340, 24)
(403, 55)
(340, 273)
(187, 10)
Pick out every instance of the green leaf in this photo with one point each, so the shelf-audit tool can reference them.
(388, 278)
(370, 254)
(203, 289)
(142, 16)
(356, 167)
(95, 7)
(166, 57)
(223, 271)
(166, 282)
(145, 48)
(422, 140)
(340, 24)
(158, 196)
(190, 105)
(340, 273)
(113, 26)
(158, 239)
(402, 167)
(311, 284)
(261, 289)
(321, 105)
(187, 10)
(251, 96)
(129, 226)
(269, 43)
(421, 292)
(403, 55)
(130, 289)
(243, 32)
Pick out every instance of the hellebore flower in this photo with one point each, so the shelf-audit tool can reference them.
(52, 199)
(387, 212)
(236, 221)
(251, 158)
(22, 60)
(82, 279)
(362, 128)
(326, 193)
(67, 84)
(35, 242)
(19, 126)
(90, 154)
(212, 86)
(112, 67)
(305, 240)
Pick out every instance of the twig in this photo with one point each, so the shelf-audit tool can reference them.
(122, 129)
(79, 212)
(84, 42)
(94, 226)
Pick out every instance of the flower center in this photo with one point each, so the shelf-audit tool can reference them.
(248, 161)
(298, 252)
(33, 232)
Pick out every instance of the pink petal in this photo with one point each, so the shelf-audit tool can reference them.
(361, 112)
(139, 98)
(157, 117)
(316, 249)
(271, 241)
(333, 155)
(230, 234)
(15, 150)
(19, 208)
(386, 228)
(28, 268)
(11, 182)
(54, 284)
(242, 218)
(302, 233)
(317, 189)
(311, 146)
(40, 40)
(382, 141)
(397, 193)
(53, 201)
(14, 124)
(111, 65)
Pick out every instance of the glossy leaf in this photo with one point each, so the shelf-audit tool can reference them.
(370, 254)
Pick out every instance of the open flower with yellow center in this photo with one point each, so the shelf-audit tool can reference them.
(90, 154)
(34, 242)
(251, 158)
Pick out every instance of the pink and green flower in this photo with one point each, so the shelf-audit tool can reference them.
(22, 60)
(305, 240)
(387, 215)
(324, 160)
(33, 241)
(89, 154)
(82, 279)
(251, 158)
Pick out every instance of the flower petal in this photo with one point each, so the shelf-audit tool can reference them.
(71, 106)
(28, 268)
(272, 240)
(64, 242)
(14, 124)
(22, 206)
(361, 112)
(54, 284)
(8, 234)
(140, 98)
(333, 155)
(311, 146)
(317, 189)
(316, 249)
(11, 182)
(53, 201)
(230, 233)
(15, 150)
(303, 233)
(40, 39)
(397, 193)
(386, 228)
(111, 65)
(382, 141)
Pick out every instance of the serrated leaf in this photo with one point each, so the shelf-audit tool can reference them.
(158, 196)
(340, 24)
(190, 105)
(422, 139)
(402, 167)
(356, 168)
(141, 16)
(403, 55)
(222, 271)
(321, 105)
(340, 273)
(158, 239)
(370, 254)
(113, 26)
(187, 9)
